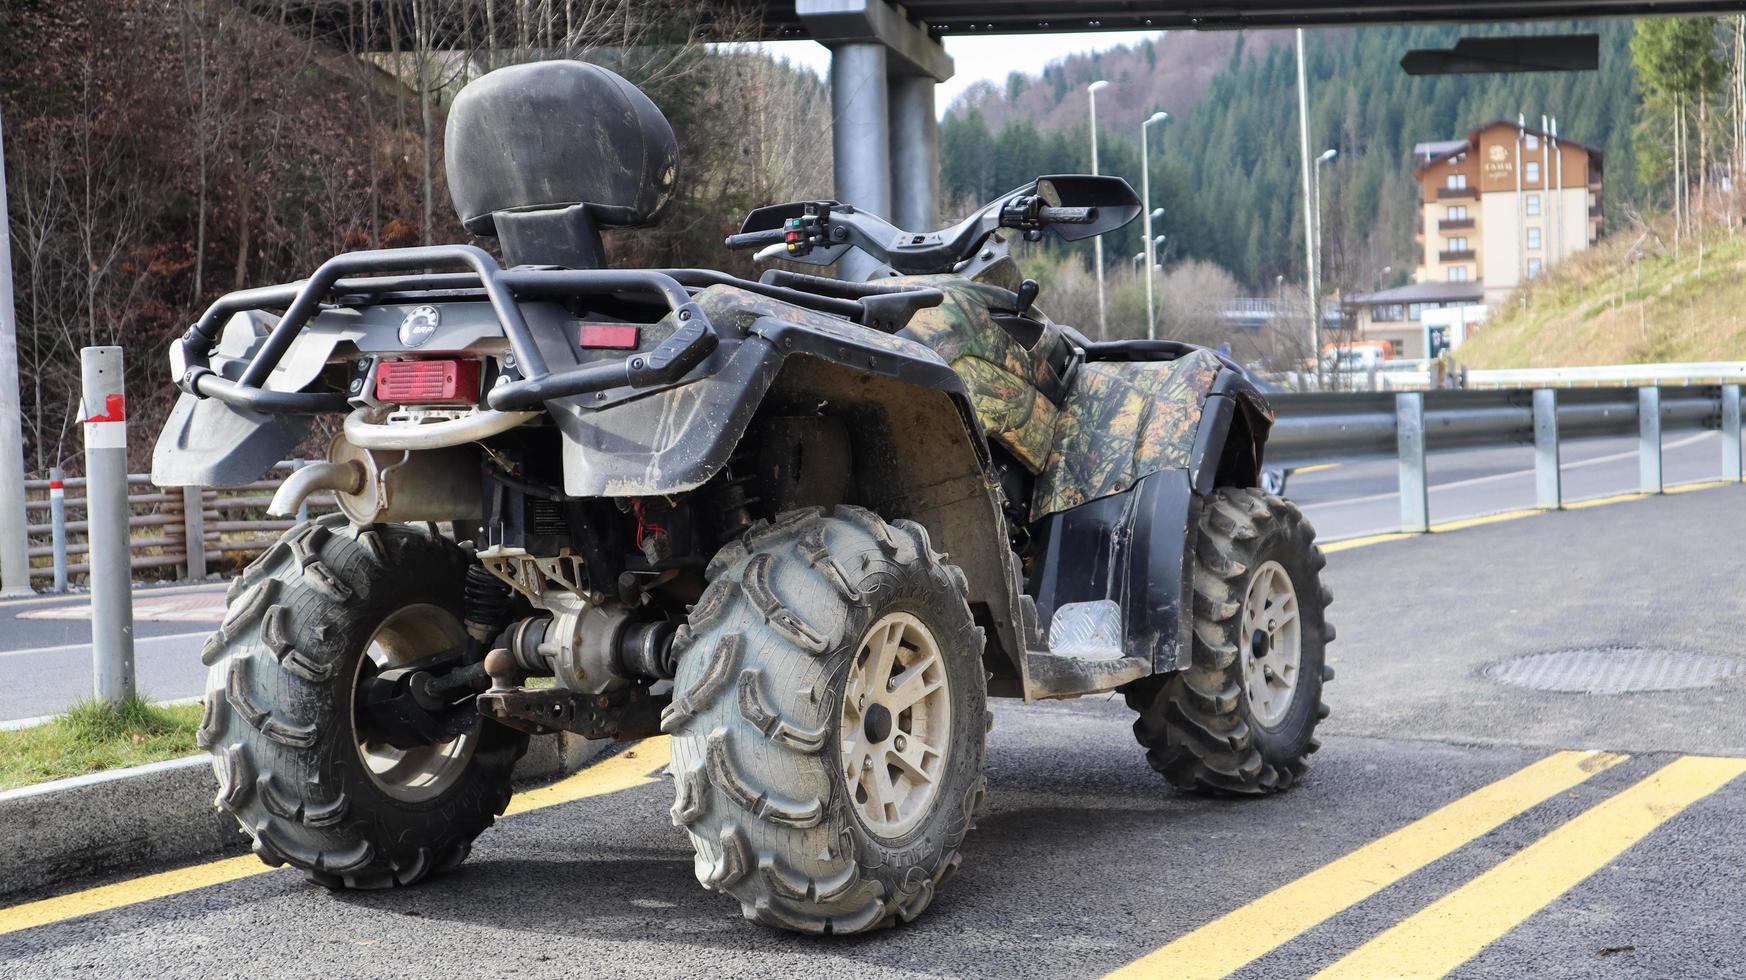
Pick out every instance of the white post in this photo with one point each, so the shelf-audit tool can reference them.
(58, 524)
(1316, 276)
(14, 549)
(1151, 246)
(1309, 218)
(1097, 243)
(104, 409)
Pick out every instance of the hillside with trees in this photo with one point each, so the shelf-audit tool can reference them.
(1226, 166)
(162, 152)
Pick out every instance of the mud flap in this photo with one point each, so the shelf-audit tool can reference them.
(207, 443)
(1126, 550)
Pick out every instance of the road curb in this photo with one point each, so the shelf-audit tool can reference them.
(162, 813)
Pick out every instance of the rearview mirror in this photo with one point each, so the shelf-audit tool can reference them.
(1113, 197)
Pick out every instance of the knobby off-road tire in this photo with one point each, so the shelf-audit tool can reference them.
(758, 721)
(1217, 726)
(279, 722)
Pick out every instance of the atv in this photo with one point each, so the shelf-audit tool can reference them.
(802, 525)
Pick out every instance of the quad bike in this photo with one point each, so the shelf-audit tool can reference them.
(805, 526)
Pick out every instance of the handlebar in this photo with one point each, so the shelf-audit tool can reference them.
(1067, 216)
(756, 239)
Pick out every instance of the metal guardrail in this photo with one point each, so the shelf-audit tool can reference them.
(232, 525)
(1312, 428)
(1318, 428)
(1404, 374)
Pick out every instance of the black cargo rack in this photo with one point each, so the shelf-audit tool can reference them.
(684, 349)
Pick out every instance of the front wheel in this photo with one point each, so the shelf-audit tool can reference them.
(325, 610)
(828, 722)
(1242, 717)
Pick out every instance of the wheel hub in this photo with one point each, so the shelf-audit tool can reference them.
(896, 725)
(1273, 651)
(878, 723)
(422, 772)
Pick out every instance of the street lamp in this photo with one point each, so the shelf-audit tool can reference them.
(1315, 272)
(1097, 243)
(1146, 193)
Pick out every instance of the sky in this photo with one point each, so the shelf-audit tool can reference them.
(980, 58)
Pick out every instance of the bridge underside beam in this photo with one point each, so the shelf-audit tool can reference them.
(378, 25)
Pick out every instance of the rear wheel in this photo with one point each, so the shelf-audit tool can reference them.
(828, 722)
(326, 609)
(1242, 717)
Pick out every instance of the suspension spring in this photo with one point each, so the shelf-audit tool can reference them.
(485, 603)
(735, 499)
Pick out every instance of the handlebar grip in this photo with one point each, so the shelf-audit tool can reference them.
(756, 239)
(1067, 216)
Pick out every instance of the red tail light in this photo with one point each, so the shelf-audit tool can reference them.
(609, 336)
(427, 382)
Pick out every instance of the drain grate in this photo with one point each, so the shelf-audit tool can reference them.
(1614, 670)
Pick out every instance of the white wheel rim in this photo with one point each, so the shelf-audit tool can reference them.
(1271, 643)
(896, 725)
(411, 775)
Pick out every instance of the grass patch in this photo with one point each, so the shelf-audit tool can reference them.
(1629, 300)
(92, 737)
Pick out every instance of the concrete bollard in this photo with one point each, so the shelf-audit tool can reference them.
(194, 530)
(58, 523)
(1731, 433)
(1409, 430)
(1649, 440)
(105, 414)
(1548, 476)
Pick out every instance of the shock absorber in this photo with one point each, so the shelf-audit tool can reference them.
(735, 499)
(485, 603)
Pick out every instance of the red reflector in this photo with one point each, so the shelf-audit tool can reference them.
(427, 382)
(609, 336)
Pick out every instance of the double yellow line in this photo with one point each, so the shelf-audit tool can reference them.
(1450, 931)
(638, 766)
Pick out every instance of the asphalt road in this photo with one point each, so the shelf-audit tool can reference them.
(1444, 828)
(1354, 499)
(48, 661)
(45, 648)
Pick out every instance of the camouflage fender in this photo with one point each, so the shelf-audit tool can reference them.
(1003, 378)
(1123, 421)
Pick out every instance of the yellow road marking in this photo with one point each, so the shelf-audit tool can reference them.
(635, 767)
(1349, 543)
(1623, 498)
(1483, 519)
(1708, 485)
(1318, 468)
(1450, 931)
(1228, 943)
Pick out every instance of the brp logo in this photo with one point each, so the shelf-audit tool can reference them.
(419, 325)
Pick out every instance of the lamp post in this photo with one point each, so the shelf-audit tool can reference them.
(1097, 243)
(1315, 272)
(1146, 194)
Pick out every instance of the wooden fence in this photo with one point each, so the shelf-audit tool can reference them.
(234, 525)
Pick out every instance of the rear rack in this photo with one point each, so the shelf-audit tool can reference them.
(683, 350)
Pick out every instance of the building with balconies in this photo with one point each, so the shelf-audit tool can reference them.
(1497, 209)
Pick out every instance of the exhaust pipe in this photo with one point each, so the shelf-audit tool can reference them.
(346, 477)
(399, 487)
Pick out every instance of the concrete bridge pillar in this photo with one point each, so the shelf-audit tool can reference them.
(884, 67)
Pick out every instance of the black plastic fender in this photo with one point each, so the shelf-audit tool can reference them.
(1232, 439)
(1132, 548)
(674, 439)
